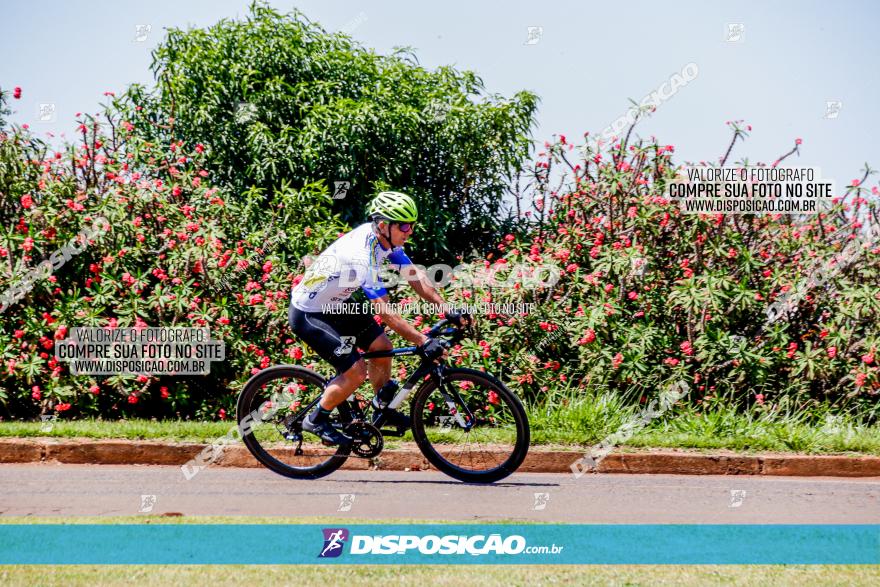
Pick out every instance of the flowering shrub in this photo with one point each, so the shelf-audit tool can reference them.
(650, 297)
(179, 251)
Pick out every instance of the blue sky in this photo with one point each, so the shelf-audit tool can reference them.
(791, 59)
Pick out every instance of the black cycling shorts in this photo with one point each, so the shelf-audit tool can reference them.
(324, 334)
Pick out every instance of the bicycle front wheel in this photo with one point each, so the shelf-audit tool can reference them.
(270, 412)
(471, 427)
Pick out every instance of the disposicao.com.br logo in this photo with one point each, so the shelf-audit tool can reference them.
(476, 545)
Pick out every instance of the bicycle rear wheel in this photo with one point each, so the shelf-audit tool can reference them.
(270, 411)
(472, 427)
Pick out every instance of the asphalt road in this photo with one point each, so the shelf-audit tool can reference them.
(105, 490)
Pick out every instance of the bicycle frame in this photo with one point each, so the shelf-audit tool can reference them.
(424, 369)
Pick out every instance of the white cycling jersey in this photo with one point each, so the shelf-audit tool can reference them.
(352, 261)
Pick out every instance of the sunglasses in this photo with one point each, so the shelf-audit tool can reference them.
(404, 226)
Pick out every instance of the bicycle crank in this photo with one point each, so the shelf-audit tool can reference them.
(368, 441)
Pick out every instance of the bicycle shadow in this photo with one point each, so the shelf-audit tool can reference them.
(501, 484)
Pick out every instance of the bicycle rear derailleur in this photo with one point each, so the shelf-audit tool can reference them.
(368, 441)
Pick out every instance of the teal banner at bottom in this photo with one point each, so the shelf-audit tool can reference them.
(438, 544)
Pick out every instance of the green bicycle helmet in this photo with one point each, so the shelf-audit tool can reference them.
(394, 206)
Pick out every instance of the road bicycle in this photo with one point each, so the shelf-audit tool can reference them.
(467, 423)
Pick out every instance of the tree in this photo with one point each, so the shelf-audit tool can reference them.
(277, 98)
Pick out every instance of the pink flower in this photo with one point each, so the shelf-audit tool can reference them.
(798, 141)
(868, 359)
(16, 93)
(27, 201)
(671, 361)
(493, 397)
(222, 414)
(95, 389)
(28, 244)
(616, 361)
(632, 295)
(759, 398)
(62, 407)
(832, 351)
(860, 379)
(687, 348)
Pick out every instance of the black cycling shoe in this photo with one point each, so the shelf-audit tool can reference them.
(328, 434)
(394, 418)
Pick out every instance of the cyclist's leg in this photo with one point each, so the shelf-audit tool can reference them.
(343, 385)
(370, 336)
(322, 334)
(380, 368)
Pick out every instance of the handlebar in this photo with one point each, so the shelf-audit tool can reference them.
(454, 332)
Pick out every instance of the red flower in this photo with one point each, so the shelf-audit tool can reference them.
(132, 399)
(617, 361)
(95, 389)
(27, 201)
(62, 407)
(687, 348)
(589, 335)
(222, 414)
(832, 351)
(16, 93)
(868, 359)
(163, 391)
(493, 397)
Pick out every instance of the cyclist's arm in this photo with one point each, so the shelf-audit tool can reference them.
(418, 280)
(395, 322)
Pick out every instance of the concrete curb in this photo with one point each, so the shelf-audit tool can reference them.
(126, 452)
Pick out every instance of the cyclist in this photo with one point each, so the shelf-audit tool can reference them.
(354, 261)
